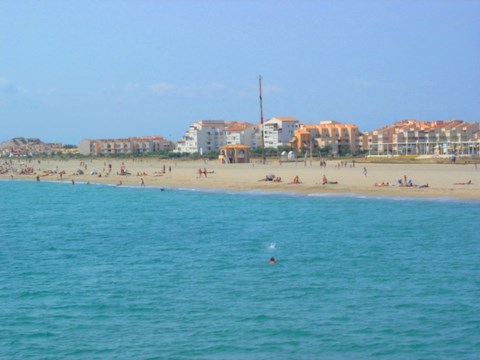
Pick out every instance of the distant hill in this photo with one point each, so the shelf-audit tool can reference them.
(20, 146)
(20, 141)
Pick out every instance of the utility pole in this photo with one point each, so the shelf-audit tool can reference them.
(261, 118)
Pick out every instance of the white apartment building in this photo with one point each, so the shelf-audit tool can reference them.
(422, 137)
(203, 136)
(278, 131)
(242, 133)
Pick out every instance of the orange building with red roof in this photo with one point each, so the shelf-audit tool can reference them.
(341, 138)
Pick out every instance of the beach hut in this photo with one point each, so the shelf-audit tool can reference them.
(235, 153)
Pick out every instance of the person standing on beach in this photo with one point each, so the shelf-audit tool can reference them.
(365, 171)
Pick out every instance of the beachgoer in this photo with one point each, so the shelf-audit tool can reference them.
(268, 177)
(469, 182)
(296, 180)
(365, 171)
(142, 183)
(324, 180)
(272, 261)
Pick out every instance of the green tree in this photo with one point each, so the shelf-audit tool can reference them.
(325, 150)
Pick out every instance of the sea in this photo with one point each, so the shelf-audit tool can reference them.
(104, 272)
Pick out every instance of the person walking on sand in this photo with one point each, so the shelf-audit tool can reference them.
(142, 182)
(365, 171)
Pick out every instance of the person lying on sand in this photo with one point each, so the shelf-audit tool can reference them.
(325, 181)
(406, 183)
(268, 177)
(469, 182)
(382, 184)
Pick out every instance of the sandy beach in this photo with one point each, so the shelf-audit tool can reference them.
(379, 179)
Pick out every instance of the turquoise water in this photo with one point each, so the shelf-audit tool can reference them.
(94, 271)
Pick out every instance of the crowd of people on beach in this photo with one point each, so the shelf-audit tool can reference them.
(28, 167)
(402, 182)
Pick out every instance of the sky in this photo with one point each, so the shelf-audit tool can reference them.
(71, 70)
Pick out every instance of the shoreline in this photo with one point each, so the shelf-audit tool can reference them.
(270, 192)
(446, 181)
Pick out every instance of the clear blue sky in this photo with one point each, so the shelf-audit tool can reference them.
(105, 69)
